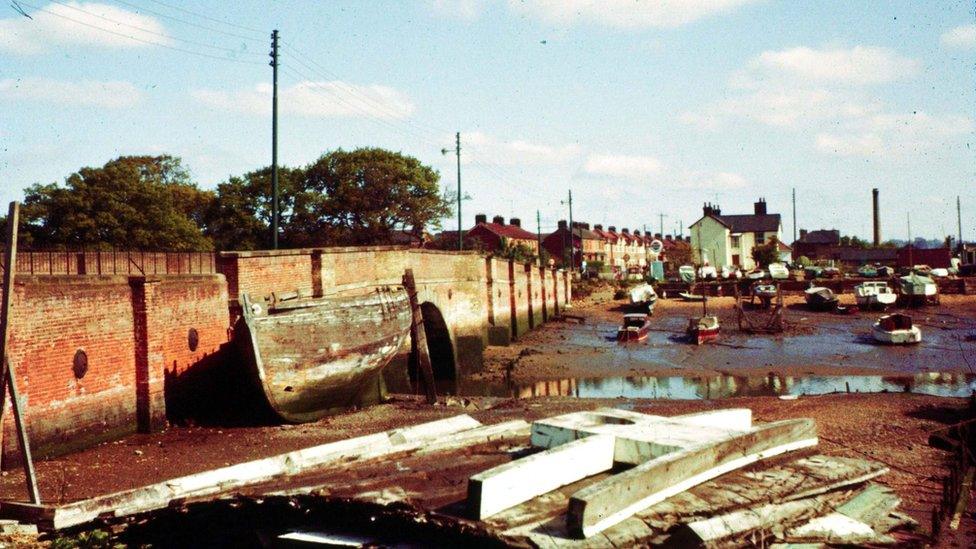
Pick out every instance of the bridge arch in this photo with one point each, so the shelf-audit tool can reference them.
(440, 346)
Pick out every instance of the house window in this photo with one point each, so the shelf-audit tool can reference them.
(760, 239)
(736, 241)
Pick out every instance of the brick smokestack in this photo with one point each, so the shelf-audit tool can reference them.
(877, 218)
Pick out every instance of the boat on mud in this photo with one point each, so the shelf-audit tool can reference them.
(688, 296)
(317, 356)
(703, 329)
(778, 271)
(643, 295)
(874, 294)
(868, 271)
(820, 298)
(766, 293)
(687, 273)
(919, 288)
(635, 327)
(896, 329)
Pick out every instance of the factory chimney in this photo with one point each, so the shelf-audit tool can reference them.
(877, 218)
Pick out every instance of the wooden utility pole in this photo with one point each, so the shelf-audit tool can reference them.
(275, 213)
(538, 235)
(419, 353)
(7, 375)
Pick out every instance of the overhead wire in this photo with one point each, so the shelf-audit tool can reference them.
(141, 40)
(149, 31)
(263, 34)
(208, 18)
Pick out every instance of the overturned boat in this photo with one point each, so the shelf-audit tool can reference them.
(820, 298)
(644, 296)
(316, 356)
(635, 327)
(896, 329)
(874, 294)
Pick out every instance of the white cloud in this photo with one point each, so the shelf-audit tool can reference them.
(626, 14)
(467, 10)
(332, 99)
(622, 166)
(963, 37)
(516, 152)
(79, 23)
(110, 94)
(893, 135)
(858, 65)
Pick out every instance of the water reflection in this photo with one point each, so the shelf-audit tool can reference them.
(724, 386)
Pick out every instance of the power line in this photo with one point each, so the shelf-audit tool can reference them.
(190, 23)
(208, 18)
(150, 42)
(148, 31)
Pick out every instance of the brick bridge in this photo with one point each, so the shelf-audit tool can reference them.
(102, 355)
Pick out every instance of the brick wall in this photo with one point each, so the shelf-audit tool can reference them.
(126, 333)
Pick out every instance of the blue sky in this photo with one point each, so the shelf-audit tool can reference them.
(641, 108)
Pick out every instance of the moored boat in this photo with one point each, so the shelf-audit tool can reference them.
(703, 329)
(765, 293)
(874, 294)
(316, 356)
(635, 327)
(916, 287)
(820, 298)
(867, 271)
(687, 273)
(896, 329)
(778, 271)
(688, 296)
(644, 296)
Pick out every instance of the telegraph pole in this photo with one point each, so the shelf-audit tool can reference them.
(538, 235)
(274, 139)
(457, 152)
(959, 221)
(662, 216)
(794, 214)
(572, 234)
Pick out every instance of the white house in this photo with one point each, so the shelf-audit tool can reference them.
(728, 240)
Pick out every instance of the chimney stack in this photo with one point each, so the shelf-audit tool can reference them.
(498, 220)
(598, 227)
(562, 223)
(480, 218)
(625, 231)
(760, 207)
(612, 229)
(877, 218)
(803, 234)
(516, 222)
(657, 236)
(669, 238)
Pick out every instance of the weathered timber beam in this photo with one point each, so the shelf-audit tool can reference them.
(608, 502)
(501, 487)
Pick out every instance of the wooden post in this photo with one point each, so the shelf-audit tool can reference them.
(7, 372)
(418, 339)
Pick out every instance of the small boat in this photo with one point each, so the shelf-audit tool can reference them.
(707, 272)
(820, 298)
(635, 327)
(691, 297)
(644, 295)
(868, 271)
(756, 274)
(939, 272)
(916, 287)
(765, 293)
(885, 271)
(812, 271)
(874, 294)
(687, 273)
(703, 329)
(778, 271)
(896, 329)
(317, 356)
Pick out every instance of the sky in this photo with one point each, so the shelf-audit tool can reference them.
(642, 109)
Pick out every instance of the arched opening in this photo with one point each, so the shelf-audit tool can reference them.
(438, 344)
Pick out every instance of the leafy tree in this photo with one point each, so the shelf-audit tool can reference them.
(804, 261)
(767, 253)
(240, 217)
(132, 202)
(516, 251)
(361, 196)
(854, 242)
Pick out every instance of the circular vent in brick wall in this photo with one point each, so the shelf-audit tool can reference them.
(80, 364)
(193, 338)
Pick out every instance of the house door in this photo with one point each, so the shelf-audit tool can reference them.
(735, 259)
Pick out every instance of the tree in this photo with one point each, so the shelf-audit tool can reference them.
(240, 216)
(362, 196)
(767, 253)
(854, 242)
(516, 251)
(132, 202)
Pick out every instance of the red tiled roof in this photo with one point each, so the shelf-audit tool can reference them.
(509, 231)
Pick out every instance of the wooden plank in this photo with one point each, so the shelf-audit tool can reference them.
(155, 496)
(7, 374)
(418, 339)
(606, 503)
(512, 483)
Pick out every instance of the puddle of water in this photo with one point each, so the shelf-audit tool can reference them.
(724, 386)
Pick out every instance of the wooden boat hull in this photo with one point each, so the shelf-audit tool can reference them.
(317, 356)
(625, 335)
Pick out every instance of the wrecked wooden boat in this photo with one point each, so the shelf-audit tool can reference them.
(635, 327)
(874, 294)
(703, 329)
(316, 356)
(820, 298)
(896, 329)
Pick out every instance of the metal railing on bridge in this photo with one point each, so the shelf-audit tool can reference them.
(112, 262)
